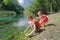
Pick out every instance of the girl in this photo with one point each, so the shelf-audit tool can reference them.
(43, 18)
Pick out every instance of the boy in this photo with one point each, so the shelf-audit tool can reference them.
(36, 28)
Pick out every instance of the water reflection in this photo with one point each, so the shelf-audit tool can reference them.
(22, 22)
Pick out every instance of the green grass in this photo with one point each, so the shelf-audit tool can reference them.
(10, 32)
(7, 30)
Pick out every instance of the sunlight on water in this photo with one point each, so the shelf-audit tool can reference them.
(21, 22)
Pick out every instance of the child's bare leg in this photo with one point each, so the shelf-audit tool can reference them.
(43, 26)
(45, 23)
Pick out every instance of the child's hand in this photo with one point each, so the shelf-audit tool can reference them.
(25, 35)
(24, 31)
(28, 34)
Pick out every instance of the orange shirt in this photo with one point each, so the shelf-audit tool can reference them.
(35, 22)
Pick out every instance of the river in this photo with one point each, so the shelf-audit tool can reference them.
(21, 22)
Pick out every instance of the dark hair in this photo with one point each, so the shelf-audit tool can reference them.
(36, 10)
(29, 17)
(43, 11)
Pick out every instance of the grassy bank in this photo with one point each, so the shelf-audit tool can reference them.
(10, 32)
(51, 32)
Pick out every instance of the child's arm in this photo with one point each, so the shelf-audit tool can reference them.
(32, 30)
(36, 17)
(27, 28)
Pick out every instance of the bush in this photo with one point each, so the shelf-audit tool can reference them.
(7, 14)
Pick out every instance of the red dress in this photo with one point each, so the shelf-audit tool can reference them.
(43, 19)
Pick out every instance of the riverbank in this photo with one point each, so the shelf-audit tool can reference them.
(14, 32)
(52, 30)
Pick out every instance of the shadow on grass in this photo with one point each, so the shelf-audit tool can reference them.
(49, 13)
(42, 30)
(50, 25)
(38, 33)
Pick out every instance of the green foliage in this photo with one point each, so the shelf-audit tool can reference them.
(10, 32)
(27, 12)
(4, 14)
(11, 6)
(6, 2)
(45, 5)
(1, 1)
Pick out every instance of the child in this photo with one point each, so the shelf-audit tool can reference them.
(36, 26)
(43, 18)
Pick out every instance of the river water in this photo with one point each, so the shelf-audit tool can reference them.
(21, 22)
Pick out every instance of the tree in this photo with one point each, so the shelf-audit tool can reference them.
(12, 6)
(45, 5)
